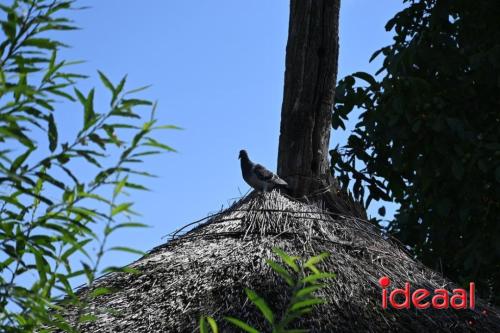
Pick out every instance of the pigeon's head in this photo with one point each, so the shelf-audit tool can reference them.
(243, 154)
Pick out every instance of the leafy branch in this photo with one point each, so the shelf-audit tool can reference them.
(50, 214)
(303, 280)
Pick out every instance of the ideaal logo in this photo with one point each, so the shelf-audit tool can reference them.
(441, 298)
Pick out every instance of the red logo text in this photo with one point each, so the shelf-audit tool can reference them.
(440, 298)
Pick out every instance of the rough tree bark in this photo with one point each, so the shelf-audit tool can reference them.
(310, 77)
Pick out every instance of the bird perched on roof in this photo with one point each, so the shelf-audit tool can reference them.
(258, 176)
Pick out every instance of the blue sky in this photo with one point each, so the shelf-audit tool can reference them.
(216, 69)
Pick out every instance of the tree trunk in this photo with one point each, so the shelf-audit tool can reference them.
(310, 78)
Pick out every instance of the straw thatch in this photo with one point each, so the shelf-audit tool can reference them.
(204, 271)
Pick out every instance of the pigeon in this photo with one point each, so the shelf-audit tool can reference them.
(258, 176)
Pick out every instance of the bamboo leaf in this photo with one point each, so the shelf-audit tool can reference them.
(112, 269)
(133, 91)
(119, 89)
(135, 102)
(317, 276)
(100, 291)
(52, 133)
(119, 186)
(203, 325)
(281, 272)
(20, 160)
(153, 143)
(261, 305)
(307, 303)
(127, 249)
(213, 325)
(89, 115)
(316, 259)
(106, 82)
(9, 28)
(126, 225)
(289, 260)
(18, 135)
(238, 323)
(168, 127)
(124, 207)
(43, 43)
(308, 290)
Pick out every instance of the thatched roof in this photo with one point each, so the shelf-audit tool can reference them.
(204, 271)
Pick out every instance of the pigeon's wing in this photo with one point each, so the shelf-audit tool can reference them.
(262, 173)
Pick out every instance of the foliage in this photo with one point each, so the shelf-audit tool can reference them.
(303, 279)
(51, 215)
(429, 135)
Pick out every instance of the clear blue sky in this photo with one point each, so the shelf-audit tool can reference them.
(217, 70)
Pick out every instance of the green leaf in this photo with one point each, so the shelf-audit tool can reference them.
(307, 303)
(76, 246)
(52, 133)
(289, 260)
(18, 135)
(60, 93)
(43, 43)
(213, 325)
(282, 272)
(9, 28)
(42, 265)
(308, 290)
(127, 225)
(316, 259)
(153, 143)
(203, 325)
(127, 249)
(126, 114)
(20, 160)
(261, 305)
(135, 102)
(48, 178)
(124, 207)
(130, 270)
(136, 186)
(86, 154)
(238, 323)
(168, 127)
(119, 186)
(106, 82)
(133, 91)
(211, 322)
(58, 6)
(53, 68)
(80, 96)
(120, 85)
(89, 115)
(87, 317)
(317, 276)
(100, 291)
